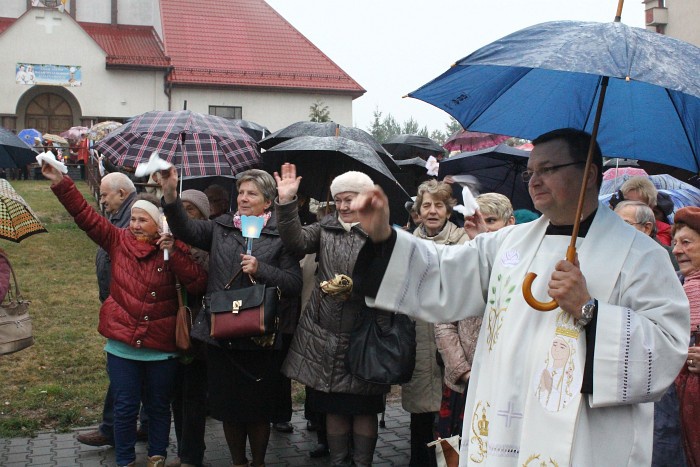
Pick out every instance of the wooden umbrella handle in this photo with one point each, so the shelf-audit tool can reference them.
(530, 277)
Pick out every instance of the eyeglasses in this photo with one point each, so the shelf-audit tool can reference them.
(545, 171)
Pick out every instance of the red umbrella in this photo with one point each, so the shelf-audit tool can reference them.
(465, 140)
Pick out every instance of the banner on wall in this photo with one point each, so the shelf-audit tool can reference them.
(50, 75)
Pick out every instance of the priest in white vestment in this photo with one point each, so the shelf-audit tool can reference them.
(573, 386)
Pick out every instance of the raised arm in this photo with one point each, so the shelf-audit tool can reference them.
(197, 233)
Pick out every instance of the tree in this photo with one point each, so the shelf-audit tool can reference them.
(318, 112)
(383, 128)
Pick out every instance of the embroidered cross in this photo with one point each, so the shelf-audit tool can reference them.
(49, 22)
(509, 414)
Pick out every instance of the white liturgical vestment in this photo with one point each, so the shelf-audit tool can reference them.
(524, 403)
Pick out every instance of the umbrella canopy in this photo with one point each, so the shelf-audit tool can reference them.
(17, 220)
(549, 76)
(616, 172)
(412, 173)
(75, 133)
(329, 129)
(99, 130)
(465, 140)
(410, 146)
(319, 159)
(56, 139)
(28, 135)
(212, 145)
(254, 130)
(14, 152)
(497, 169)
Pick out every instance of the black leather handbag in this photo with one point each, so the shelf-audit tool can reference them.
(382, 348)
(245, 312)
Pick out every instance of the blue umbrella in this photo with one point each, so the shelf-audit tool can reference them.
(28, 134)
(550, 76)
(497, 169)
(554, 75)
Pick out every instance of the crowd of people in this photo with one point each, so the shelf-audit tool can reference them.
(609, 377)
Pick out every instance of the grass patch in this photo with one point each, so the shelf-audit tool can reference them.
(58, 383)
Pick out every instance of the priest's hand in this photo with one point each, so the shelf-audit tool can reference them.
(475, 225)
(372, 208)
(568, 287)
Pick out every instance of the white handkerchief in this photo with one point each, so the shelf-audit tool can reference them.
(154, 164)
(48, 158)
(432, 166)
(469, 206)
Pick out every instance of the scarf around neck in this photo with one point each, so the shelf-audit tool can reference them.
(691, 285)
(237, 219)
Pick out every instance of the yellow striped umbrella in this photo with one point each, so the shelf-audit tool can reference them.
(17, 220)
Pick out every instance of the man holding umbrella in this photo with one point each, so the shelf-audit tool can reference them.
(568, 387)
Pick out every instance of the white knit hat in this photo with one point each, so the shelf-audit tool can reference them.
(356, 182)
(199, 199)
(150, 209)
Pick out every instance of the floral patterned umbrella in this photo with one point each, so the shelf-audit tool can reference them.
(99, 130)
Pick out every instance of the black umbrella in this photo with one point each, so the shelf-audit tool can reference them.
(412, 173)
(254, 130)
(328, 129)
(14, 152)
(410, 146)
(497, 169)
(319, 159)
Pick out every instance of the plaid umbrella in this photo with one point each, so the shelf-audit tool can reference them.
(212, 145)
(17, 220)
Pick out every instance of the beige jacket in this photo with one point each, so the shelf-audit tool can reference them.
(424, 392)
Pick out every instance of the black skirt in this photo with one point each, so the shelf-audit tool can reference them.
(241, 384)
(344, 404)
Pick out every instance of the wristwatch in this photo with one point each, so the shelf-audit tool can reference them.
(587, 311)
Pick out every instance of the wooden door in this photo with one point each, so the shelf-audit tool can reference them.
(49, 113)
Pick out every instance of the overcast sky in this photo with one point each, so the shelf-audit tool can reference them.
(392, 47)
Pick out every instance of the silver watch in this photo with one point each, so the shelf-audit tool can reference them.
(587, 311)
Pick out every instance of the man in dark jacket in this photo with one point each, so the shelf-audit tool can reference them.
(117, 194)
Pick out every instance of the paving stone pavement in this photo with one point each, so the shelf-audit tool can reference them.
(62, 450)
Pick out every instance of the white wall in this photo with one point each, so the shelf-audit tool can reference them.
(12, 8)
(684, 20)
(94, 11)
(275, 110)
(114, 93)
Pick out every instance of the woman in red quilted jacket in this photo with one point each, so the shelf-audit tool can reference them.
(138, 318)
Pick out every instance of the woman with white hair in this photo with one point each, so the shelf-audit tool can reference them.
(316, 357)
(138, 317)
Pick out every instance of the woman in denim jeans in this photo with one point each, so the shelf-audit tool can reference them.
(138, 318)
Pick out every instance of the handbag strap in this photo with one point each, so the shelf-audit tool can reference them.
(235, 276)
(18, 294)
(178, 288)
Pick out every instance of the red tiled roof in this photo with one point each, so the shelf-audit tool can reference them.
(125, 45)
(245, 43)
(6, 23)
(128, 45)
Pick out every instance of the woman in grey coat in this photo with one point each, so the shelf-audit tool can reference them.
(317, 354)
(241, 372)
